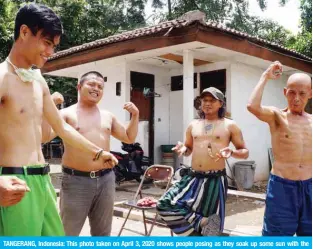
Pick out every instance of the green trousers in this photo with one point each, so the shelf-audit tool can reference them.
(36, 214)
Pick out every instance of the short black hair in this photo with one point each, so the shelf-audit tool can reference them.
(85, 76)
(38, 17)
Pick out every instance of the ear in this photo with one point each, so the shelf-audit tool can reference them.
(221, 104)
(78, 87)
(310, 94)
(24, 32)
(285, 91)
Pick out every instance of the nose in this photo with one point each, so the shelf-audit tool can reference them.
(49, 51)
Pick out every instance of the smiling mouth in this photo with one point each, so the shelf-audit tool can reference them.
(94, 94)
(45, 58)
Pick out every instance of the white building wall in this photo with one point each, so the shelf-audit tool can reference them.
(240, 81)
(256, 133)
(161, 104)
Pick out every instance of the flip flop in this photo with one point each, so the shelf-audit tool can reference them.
(213, 226)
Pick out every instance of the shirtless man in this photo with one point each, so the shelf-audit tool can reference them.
(87, 189)
(289, 193)
(196, 204)
(24, 100)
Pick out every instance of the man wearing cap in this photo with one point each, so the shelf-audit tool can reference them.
(196, 204)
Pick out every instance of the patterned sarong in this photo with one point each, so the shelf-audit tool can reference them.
(195, 196)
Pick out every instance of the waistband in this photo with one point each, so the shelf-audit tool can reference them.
(91, 174)
(287, 181)
(208, 174)
(201, 174)
(26, 170)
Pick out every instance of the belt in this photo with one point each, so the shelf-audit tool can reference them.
(21, 171)
(91, 174)
(208, 174)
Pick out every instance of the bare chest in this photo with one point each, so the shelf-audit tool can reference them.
(217, 133)
(90, 124)
(22, 101)
(295, 130)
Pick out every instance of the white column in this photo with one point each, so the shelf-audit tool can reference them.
(125, 87)
(188, 94)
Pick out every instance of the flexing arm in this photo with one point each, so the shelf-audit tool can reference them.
(264, 113)
(129, 134)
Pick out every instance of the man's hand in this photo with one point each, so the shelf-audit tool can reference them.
(180, 148)
(131, 108)
(57, 98)
(12, 190)
(109, 160)
(274, 71)
(224, 153)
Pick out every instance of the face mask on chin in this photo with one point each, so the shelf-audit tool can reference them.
(26, 75)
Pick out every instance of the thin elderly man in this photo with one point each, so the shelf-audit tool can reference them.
(24, 100)
(87, 189)
(196, 204)
(289, 193)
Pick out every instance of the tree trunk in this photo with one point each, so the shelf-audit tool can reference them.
(169, 5)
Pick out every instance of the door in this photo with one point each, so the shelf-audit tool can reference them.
(139, 81)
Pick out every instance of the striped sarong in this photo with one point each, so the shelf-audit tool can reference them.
(195, 196)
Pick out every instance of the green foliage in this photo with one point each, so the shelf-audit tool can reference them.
(88, 20)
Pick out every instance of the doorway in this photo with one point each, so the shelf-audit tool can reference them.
(140, 81)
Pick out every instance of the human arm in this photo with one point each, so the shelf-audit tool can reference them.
(240, 151)
(187, 147)
(12, 190)
(47, 132)
(129, 134)
(264, 113)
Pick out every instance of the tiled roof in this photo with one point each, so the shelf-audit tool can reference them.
(174, 24)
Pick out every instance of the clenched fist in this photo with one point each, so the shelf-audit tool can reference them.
(57, 98)
(131, 108)
(12, 190)
(109, 160)
(274, 71)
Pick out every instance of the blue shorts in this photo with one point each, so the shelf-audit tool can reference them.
(288, 208)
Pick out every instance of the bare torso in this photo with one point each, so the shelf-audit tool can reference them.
(21, 110)
(292, 146)
(219, 138)
(95, 125)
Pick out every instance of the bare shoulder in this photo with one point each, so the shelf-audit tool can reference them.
(195, 123)
(4, 74)
(231, 125)
(44, 84)
(106, 114)
(69, 112)
(229, 122)
(308, 116)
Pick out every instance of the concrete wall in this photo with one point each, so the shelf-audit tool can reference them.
(256, 133)
(240, 81)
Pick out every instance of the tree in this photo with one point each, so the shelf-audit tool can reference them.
(303, 41)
